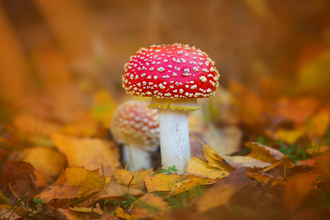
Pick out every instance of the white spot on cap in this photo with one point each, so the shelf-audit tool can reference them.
(155, 77)
(160, 69)
(193, 87)
(203, 79)
(161, 86)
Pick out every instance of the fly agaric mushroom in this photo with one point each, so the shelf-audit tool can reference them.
(174, 76)
(136, 126)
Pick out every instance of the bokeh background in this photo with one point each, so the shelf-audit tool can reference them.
(61, 61)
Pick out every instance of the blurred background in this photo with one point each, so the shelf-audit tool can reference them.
(59, 59)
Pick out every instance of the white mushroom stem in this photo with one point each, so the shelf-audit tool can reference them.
(140, 158)
(174, 138)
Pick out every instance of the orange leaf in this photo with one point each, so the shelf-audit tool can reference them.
(188, 184)
(88, 152)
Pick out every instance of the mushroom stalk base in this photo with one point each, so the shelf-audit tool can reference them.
(140, 158)
(174, 138)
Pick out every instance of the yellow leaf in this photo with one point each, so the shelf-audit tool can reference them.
(88, 152)
(71, 215)
(188, 184)
(200, 168)
(135, 179)
(161, 182)
(263, 153)
(88, 181)
(149, 206)
(122, 214)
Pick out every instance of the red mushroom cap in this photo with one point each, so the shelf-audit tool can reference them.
(134, 120)
(171, 72)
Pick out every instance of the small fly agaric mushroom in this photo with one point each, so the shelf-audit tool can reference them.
(136, 126)
(174, 76)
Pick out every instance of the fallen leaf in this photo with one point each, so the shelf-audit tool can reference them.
(87, 210)
(135, 179)
(188, 184)
(60, 192)
(263, 153)
(236, 179)
(161, 182)
(122, 214)
(149, 206)
(247, 162)
(70, 215)
(200, 168)
(8, 213)
(284, 162)
(88, 181)
(88, 152)
(296, 191)
(46, 160)
(214, 197)
(115, 190)
(3, 198)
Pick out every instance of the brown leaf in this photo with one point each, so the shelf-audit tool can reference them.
(297, 189)
(70, 215)
(15, 173)
(60, 192)
(236, 179)
(149, 206)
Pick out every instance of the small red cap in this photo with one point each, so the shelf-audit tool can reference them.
(134, 120)
(171, 72)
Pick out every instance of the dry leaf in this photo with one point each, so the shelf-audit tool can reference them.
(88, 152)
(60, 192)
(87, 210)
(200, 168)
(135, 179)
(149, 206)
(161, 182)
(88, 181)
(289, 136)
(122, 214)
(263, 153)
(70, 215)
(7, 213)
(247, 162)
(188, 184)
